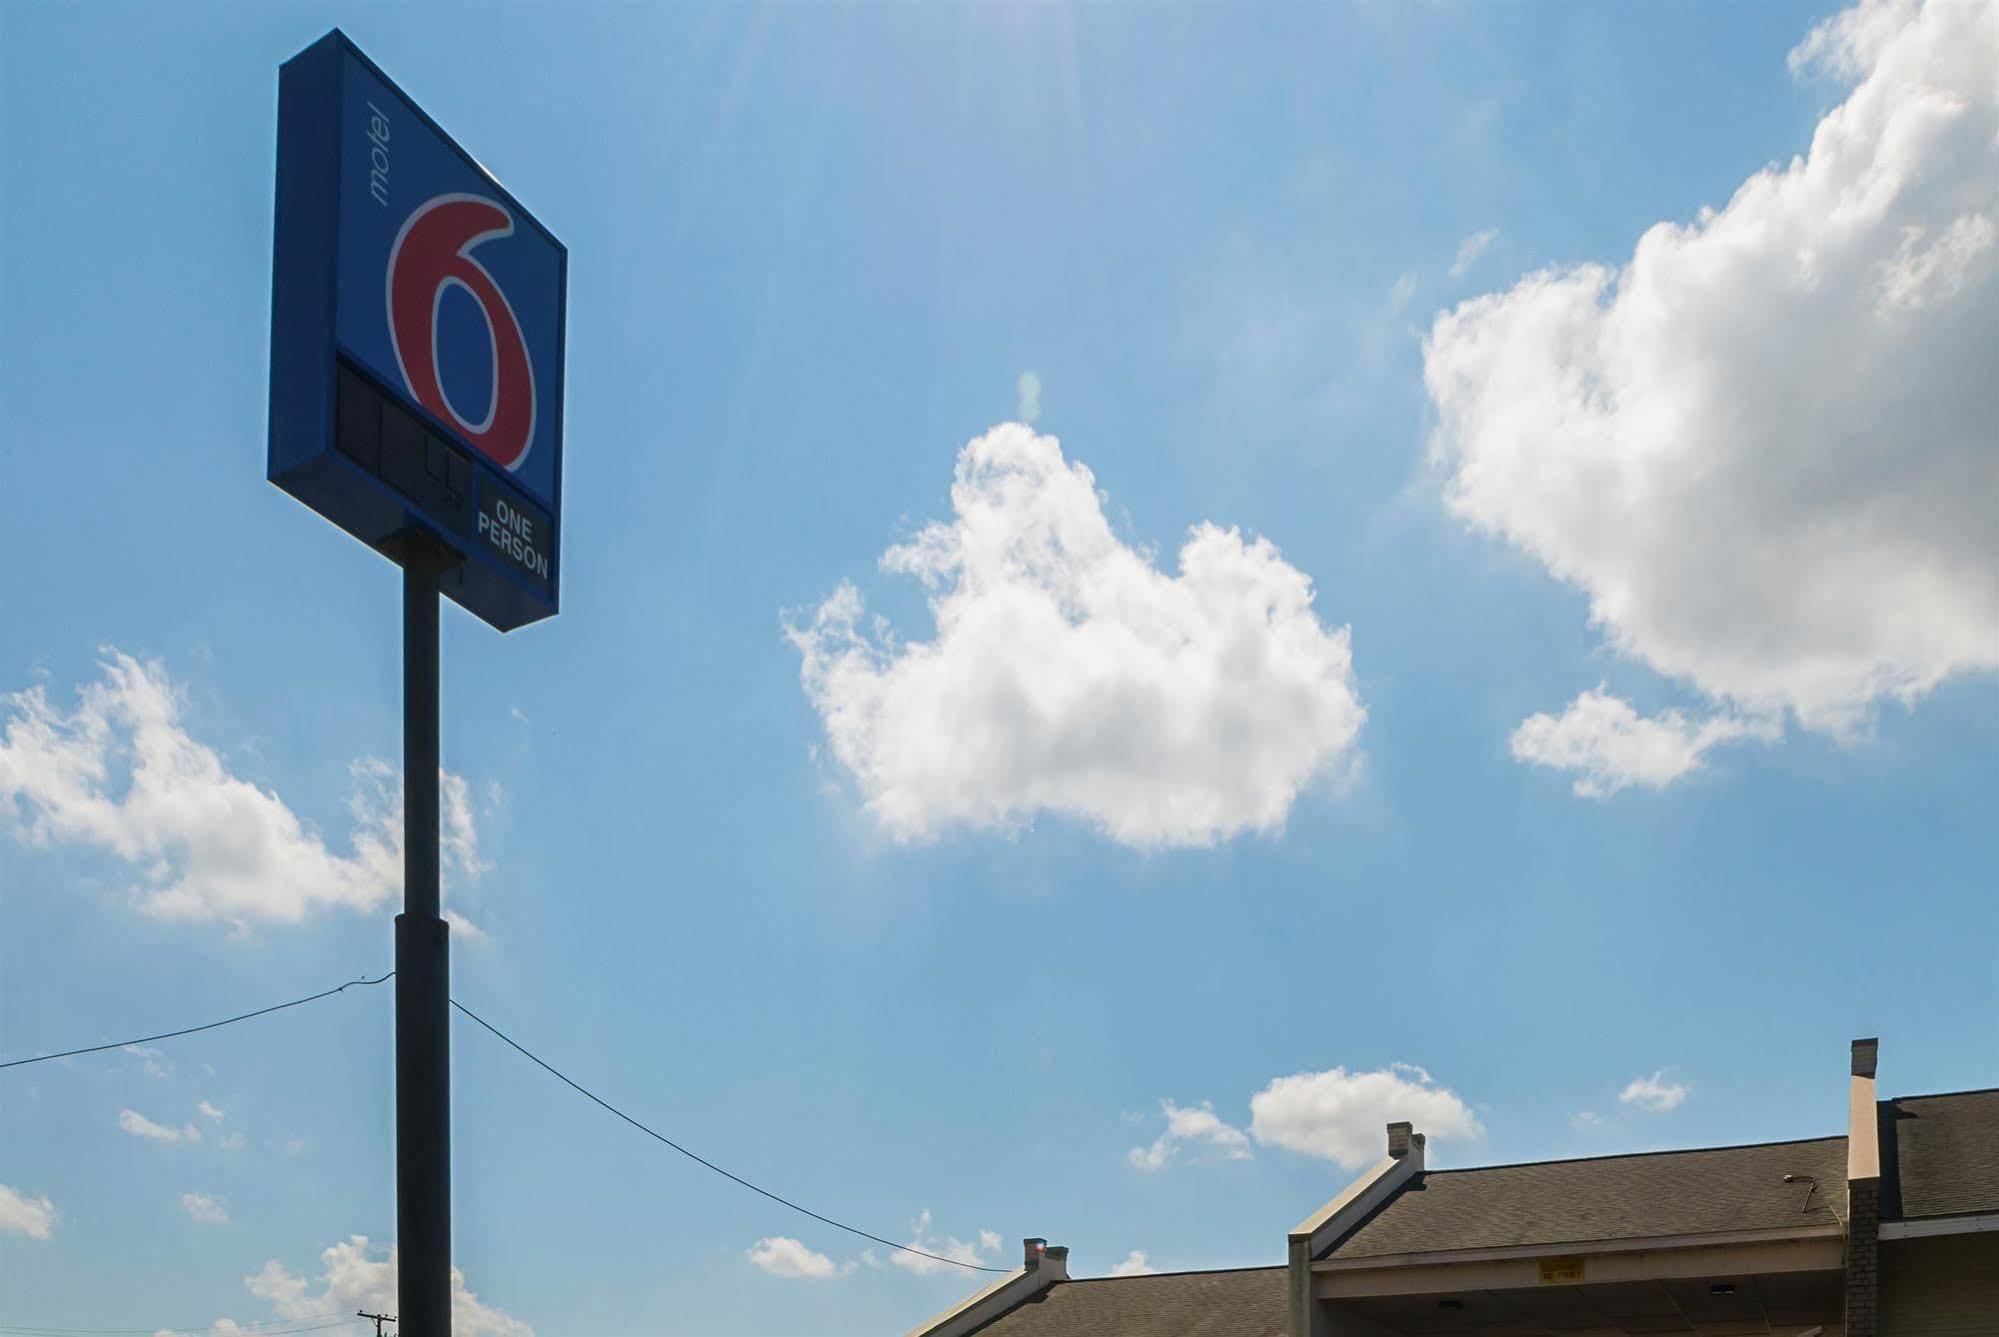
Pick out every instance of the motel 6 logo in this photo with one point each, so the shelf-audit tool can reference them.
(432, 253)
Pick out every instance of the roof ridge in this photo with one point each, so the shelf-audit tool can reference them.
(1184, 1272)
(1638, 1155)
(1940, 1095)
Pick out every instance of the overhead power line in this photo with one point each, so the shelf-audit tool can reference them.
(18, 1331)
(592, 1096)
(168, 1035)
(260, 1328)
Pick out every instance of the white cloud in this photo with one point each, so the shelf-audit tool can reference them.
(1470, 249)
(355, 1275)
(1764, 447)
(210, 1211)
(948, 1246)
(1134, 1265)
(1029, 390)
(1611, 746)
(1655, 1093)
(234, 1142)
(1585, 1121)
(138, 1125)
(121, 773)
(782, 1256)
(23, 1215)
(1341, 1115)
(1070, 675)
(151, 1061)
(210, 1109)
(1190, 1124)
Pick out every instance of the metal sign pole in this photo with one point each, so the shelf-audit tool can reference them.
(423, 979)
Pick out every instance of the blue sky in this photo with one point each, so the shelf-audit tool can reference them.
(1094, 837)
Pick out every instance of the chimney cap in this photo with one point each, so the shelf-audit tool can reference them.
(1866, 1054)
(1031, 1250)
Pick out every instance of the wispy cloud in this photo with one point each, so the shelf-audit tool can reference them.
(23, 1215)
(1470, 249)
(1028, 407)
(945, 1246)
(1196, 1126)
(209, 1211)
(138, 1125)
(1655, 1093)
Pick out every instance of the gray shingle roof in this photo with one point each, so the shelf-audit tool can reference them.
(1940, 1157)
(1698, 1192)
(1247, 1302)
(1940, 1154)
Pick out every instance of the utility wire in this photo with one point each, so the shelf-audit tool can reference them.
(538, 1061)
(168, 1035)
(552, 1071)
(255, 1329)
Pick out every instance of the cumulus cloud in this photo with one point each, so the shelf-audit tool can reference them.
(356, 1275)
(1610, 746)
(1195, 1126)
(138, 1125)
(121, 773)
(210, 1110)
(1340, 1115)
(1470, 249)
(209, 1211)
(1135, 1264)
(783, 1256)
(1655, 1093)
(947, 1246)
(1070, 675)
(23, 1215)
(1765, 445)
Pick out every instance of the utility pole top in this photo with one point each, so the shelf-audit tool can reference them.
(379, 1319)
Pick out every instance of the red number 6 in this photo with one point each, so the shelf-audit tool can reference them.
(432, 252)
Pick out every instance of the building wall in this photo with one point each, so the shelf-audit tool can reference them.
(1940, 1286)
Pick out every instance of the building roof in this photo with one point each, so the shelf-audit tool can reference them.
(1940, 1155)
(1706, 1191)
(1245, 1302)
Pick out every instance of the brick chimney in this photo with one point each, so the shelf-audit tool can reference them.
(1863, 1193)
(1050, 1262)
(1398, 1139)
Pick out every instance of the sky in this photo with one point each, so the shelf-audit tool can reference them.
(1145, 589)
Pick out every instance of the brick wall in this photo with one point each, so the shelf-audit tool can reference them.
(1863, 1257)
